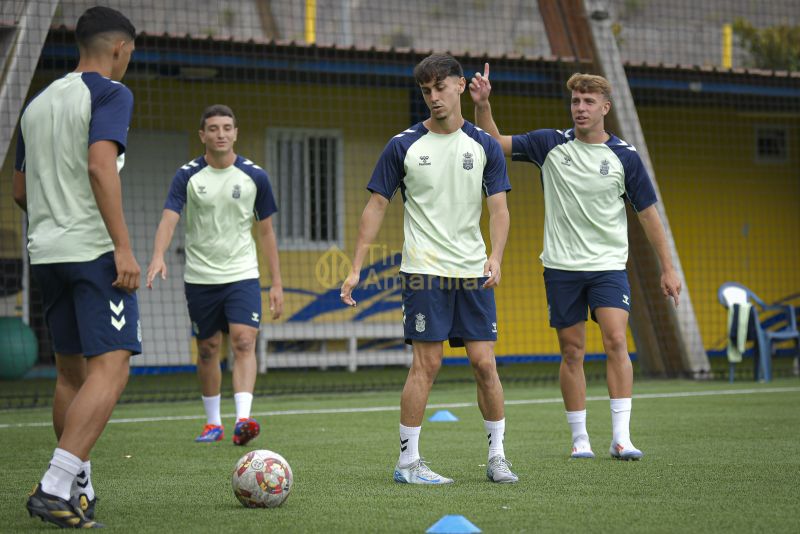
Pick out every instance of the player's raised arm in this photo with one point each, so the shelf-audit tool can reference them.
(479, 90)
(166, 228)
(371, 220)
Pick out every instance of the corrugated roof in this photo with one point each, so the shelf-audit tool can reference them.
(670, 32)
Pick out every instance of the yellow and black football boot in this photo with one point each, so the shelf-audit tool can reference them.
(82, 503)
(57, 510)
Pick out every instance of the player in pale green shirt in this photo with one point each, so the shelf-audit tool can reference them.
(587, 175)
(224, 195)
(443, 168)
(72, 142)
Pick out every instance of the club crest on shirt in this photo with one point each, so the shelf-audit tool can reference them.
(468, 161)
(419, 324)
(604, 167)
(237, 191)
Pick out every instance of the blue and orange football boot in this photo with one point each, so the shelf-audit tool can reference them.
(57, 510)
(246, 429)
(211, 433)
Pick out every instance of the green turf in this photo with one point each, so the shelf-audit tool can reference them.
(713, 463)
(183, 386)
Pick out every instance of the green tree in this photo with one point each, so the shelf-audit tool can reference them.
(775, 47)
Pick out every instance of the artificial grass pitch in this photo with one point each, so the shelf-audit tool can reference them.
(718, 458)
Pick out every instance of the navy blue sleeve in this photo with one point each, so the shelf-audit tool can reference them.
(389, 171)
(533, 147)
(265, 200)
(19, 163)
(112, 109)
(176, 198)
(639, 188)
(495, 175)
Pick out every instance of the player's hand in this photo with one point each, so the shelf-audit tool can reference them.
(479, 86)
(156, 267)
(276, 301)
(347, 289)
(128, 271)
(491, 269)
(671, 285)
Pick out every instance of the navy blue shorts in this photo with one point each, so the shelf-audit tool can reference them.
(436, 308)
(212, 307)
(570, 293)
(85, 314)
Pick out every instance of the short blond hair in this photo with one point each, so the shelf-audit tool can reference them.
(589, 83)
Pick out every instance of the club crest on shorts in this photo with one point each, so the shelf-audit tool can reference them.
(419, 322)
(237, 191)
(468, 161)
(604, 167)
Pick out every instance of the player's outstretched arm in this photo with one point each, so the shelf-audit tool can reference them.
(654, 230)
(499, 223)
(166, 228)
(20, 194)
(371, 220)
(269, 246)
(107, 189)
(479, 90)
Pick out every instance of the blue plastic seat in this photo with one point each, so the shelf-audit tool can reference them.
(772, 324)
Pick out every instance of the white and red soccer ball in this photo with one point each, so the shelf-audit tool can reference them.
(262, 479)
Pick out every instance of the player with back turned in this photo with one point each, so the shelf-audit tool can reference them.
(70, 149)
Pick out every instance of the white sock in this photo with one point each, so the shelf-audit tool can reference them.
(577, 424)
(409, 444)
(495, 433)
(620, 421)
(244, 402)
(83, 481)
(62, 471)
(211, 404)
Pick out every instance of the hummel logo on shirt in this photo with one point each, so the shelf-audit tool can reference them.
(423, 160)
(201, 189)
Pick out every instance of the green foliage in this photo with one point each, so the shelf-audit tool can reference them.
(775, 47)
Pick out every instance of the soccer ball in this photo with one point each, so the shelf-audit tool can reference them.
(262, 479)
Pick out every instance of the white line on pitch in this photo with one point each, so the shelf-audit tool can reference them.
(395, 408)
